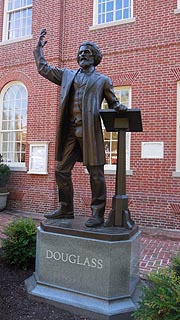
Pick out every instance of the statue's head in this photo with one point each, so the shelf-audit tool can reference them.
(90, 51)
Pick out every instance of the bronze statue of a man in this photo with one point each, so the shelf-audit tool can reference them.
(79, 134)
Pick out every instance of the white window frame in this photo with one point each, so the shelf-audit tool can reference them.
(38, 157)
(111, 168)
(177, 172)
(6, 23)
(12, 165)
(111, 23)
(177, 10)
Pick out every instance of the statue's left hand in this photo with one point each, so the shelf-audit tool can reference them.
(120, 107)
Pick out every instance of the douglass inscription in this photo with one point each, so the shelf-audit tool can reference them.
(74, 259)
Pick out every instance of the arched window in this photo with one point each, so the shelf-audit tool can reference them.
(13, 124)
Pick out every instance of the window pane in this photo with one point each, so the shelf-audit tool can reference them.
(16, 4)
(114, 135)
(118, 4)
(113, 158)
(126, 3)
(103, 18)
(107, 152)
(110, 6)
(119, 15)
(109, 17)
(10, 5)
(126, 13)
(99, 9)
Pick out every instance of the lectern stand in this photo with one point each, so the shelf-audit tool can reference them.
(122, 122)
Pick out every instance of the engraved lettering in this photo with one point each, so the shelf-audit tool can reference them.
(100, 264)
(72, 260)
(78, 261)
(93, 263)
(49, 254)
(86, 262)
(65, 257)
(57, 255)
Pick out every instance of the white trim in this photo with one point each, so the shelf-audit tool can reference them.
(15, 166)
(178, 129)
(111, 170)
(112, 24)
(176, 174)
(5, 42)
(178, 7)
(176, 11)
(5, 21)
(20, 169)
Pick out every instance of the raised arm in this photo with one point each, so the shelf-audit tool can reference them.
(51, 73)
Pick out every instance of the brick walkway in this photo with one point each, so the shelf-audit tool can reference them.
(157, 246)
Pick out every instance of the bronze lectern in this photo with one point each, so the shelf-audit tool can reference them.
(122, 122)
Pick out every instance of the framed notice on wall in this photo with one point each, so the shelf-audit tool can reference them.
(38, 157)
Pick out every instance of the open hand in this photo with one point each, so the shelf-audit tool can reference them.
(41, 42)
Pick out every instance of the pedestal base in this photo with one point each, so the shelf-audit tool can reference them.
(92, 277)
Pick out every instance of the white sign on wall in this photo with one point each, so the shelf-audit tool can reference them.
(152, 150)
(38, 159)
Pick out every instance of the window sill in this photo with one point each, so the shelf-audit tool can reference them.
(176, 11)
(21, 169)
(38, 172)
(112, 24)
(112, 171)
(176, 174)
(5, 42)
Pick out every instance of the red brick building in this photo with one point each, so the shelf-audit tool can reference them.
(140, 42)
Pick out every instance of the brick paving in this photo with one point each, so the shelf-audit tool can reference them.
(157, 246)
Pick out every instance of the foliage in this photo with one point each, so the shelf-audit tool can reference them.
(5, 173)
(19, 246)
(175, 264)
(161, 297)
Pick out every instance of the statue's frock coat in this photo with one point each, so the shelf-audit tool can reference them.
(97, 88)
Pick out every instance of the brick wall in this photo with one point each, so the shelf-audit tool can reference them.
(144, 55)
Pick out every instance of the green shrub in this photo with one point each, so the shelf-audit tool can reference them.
(161, 297)
(5, 173)
(19, 246)
(175, 264)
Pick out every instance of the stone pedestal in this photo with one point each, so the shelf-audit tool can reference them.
(92, 272)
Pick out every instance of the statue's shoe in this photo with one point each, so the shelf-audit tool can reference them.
(59, 214)
(94, 221)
